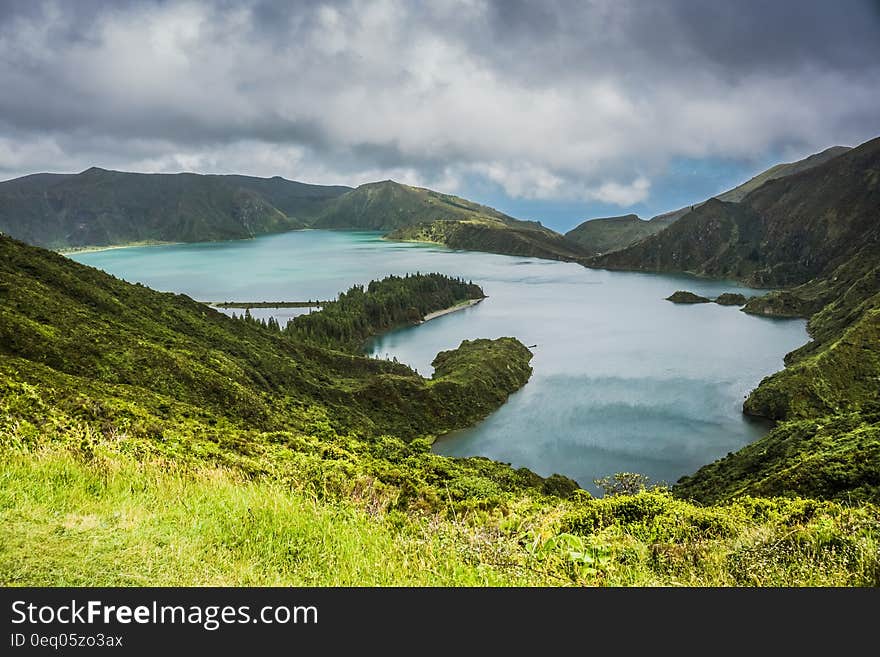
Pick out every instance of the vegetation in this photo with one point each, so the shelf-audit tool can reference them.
(827, 397)
(148, 439)
(388, 205)
(683, 296)
(100, 208)
(598, 236)
(361, 313)
(784, 233)
(731, 299)
(491, 236)
(247, 305)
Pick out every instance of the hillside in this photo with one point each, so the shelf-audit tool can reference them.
(598, 236)
(388, 205)
(610, 233)
(99, 207)
(828, 396)
(147, 439)
(781, 171)
(492, 237)
(786, 232)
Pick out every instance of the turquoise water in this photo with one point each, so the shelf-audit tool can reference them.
(623, 380)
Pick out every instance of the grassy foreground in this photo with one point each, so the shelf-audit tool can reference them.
(103, 518)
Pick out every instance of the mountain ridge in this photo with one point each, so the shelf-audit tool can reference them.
(616, 233)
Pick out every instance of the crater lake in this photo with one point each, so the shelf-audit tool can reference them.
(624, 381)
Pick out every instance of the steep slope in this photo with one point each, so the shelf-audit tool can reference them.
(786, 232)
(492, 237)
(99, 207)
(80, 333)
(827, 397)
(610, 233)
(148, 440)
(781, 171)
(388, 205)
(599, 236)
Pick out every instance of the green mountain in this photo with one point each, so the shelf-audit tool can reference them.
(99, 207)
(492, 236)
(598, 236)
(611, 233)
(785, 232)
(78, 331)
(388, 205)
(781, 171)
(149, 440)
(820, 225)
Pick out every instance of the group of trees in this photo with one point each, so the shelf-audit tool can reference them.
(362, 312)
(270, 323)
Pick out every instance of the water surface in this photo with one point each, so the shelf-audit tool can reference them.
(623, 380)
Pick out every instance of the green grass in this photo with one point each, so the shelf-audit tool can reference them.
(107, 522)
(102, 518)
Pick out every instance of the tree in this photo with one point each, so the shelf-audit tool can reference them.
(623, 483)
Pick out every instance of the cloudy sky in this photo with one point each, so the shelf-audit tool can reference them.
(557, 111)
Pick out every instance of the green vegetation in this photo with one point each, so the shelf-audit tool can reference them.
(731, 299)
(784, 233)
(492, 236)
(147, 439)
(827, 397)
(835, 457)
(738, 193)
(361, 313)
(85, 512)
(598, 236)
(683, 296)
(388, 205)
(100, 208)
(267, 304)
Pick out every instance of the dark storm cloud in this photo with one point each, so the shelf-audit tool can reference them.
(547, 99)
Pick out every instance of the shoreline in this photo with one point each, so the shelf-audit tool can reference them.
(75, 250)
(461, 306)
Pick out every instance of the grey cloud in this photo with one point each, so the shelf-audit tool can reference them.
(548, 99)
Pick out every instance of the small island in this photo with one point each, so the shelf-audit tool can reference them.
(683, 296)
(731, 299)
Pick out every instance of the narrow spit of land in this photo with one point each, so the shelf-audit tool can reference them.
(452, 309)
(265, 304)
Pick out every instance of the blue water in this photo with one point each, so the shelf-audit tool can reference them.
(623, 380)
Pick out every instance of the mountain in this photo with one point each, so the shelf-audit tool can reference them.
(149, 440)
(598, 236)
(491, 236)
(388, 205)
(73, 327)
(821, 225)
(785, 232)
(610, 233)
(98, 207)
(781, 171)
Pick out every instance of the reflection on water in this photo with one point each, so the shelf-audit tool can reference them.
(623, 380)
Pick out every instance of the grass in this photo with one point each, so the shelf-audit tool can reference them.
(70, 518)
(116, 522)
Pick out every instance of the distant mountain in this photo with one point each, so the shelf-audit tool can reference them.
(389, 205)
(785, 232)
(610, 233)
(98, 207)
(492, 236)
(605, 235)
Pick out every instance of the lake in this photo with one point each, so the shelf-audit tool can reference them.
(623, 380)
